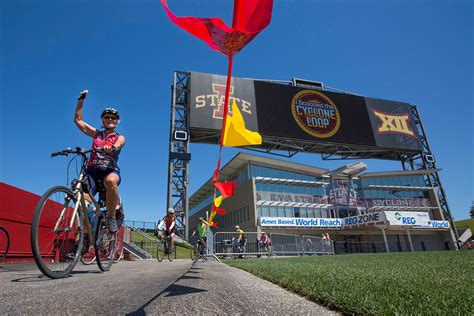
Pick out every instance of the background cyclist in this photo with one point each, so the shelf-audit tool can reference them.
(202, 232)
(265, 243)
(170, 222)
(240, 239)
(103, 167)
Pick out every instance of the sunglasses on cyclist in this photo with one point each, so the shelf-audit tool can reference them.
(114, 118)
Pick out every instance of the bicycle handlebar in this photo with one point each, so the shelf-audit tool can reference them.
(77, 151)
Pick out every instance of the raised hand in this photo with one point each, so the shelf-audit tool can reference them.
(83, 94)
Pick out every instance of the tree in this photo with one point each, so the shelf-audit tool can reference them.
(472, 210)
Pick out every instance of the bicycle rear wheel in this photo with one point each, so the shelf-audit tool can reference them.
(4, 243)
(118, 252)
(160, 250)
(57, 237)
(88, 257)
(104, 245)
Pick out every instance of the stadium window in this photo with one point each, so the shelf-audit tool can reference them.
(281, 211)
(297, 211)
(310, 212)
(273, 211)
(303, 212)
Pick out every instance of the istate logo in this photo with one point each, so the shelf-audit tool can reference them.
(398, 216)
(315, 113)
(216, 101)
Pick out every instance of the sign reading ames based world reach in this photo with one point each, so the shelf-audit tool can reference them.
(300, 222)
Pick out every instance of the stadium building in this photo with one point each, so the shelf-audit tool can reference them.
(361, 211)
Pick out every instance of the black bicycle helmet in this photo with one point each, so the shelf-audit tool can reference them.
(110, 111)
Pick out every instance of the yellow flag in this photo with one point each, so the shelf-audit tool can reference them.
(218, 201)
(235, 132)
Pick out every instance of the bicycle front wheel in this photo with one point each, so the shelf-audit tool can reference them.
(194, 253)
(4, 243)
(160, 251)
(104, 245)
(171, 253)
(57, 232)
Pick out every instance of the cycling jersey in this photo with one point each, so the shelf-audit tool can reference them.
(170, 222)
(240, 234)
(202, 230)
(265, 240)
(108, 161)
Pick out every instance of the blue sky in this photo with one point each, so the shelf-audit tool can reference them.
(125, 52)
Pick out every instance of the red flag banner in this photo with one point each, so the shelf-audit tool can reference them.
(250, 18)
(221, 211)
(227, 189)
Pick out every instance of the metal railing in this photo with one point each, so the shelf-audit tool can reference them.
(143, 226)
(225, 244)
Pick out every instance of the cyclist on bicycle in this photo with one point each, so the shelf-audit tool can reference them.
(240, 239)
(170, 222)
(103, 168)
(264, 242)
(202, 231)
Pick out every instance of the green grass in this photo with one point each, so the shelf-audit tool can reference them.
(465, 223)
(388, 283)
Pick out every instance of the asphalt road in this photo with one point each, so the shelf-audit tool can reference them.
(147, 287)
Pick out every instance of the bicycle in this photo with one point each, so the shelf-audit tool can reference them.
(264, 249)
(163, 248)
(199, 249)
(58, 224)
(4, 243)
(239, 246)
(89, 257)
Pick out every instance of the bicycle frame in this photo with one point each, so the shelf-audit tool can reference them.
(80, 196)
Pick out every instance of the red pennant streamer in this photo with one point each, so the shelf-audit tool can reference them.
(227, 189)
(250, 18)
(221, 211)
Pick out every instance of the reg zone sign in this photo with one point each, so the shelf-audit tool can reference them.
(300, 222)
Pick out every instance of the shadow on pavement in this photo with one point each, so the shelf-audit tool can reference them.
(37, 278)
(189, 277)
(85, 272)
(172, 290)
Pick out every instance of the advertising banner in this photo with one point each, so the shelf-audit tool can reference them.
(408, 218)
(207, 100)
(291, 112)
(392, 124)
(438, 224)
(288, 112)
(300, 222)
(370, 218)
